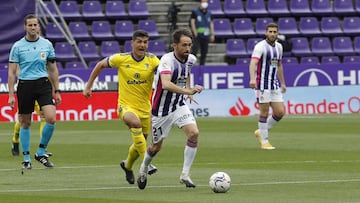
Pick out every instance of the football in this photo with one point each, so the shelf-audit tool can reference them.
(220, 182)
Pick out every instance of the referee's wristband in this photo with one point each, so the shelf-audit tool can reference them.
(57, 91)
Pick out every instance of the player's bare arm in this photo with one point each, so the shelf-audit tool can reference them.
(281, 77)
(54, 79)
(170, 86)
(11, 82)
(252, 71)
(94, 73)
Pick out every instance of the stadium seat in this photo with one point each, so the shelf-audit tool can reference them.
(92, 10)
(234, 8)
(59, 65)
(70, 10)
(53, 33)
(74, 65)
(330, 60)
(51, 7)
(256, 8)
(351, 25)
(123, 29)
(79, 30)
(138, 9)
(223, 28)
(288, 26)
(115, 10)
(331, 26)
(109, 47)
(300, 46)
(88, 50)
(322, 7)
(344, 7)
(215, 8)
(250, 44)
(149, 26)
(127, 46)
(243, 61)
(351, 59)
(278, 7)
(243, 27)
(289, 61)
(357, 6)
(321, 46)
(342, 45)
(260, 25)
(157, 47)
(236, 48)
(101, 30)
(309, 60)
(309, 26)
(300, 8)
(357, 44)
(4, 66)
(64, 51)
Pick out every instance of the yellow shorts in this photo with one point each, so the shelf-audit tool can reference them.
(144, 117)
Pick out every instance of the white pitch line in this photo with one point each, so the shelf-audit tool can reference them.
(178, 186)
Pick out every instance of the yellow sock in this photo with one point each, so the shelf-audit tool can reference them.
(139, 141)
(15, 138)
(42, 124)
(132, 156)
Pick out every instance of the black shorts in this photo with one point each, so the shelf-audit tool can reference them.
(30, 90)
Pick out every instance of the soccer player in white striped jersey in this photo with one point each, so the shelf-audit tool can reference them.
(171, 89)
(265, 71)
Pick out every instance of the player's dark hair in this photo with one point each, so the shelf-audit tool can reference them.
(180, 32)
(30, 16)
(140, 33)
(272, 25)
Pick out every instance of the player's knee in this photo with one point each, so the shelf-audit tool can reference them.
(193, 135)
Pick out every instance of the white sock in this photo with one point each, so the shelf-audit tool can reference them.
(189, 156)
(263, 127)
(271, 122)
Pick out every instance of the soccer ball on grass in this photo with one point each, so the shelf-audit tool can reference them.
(220, 182)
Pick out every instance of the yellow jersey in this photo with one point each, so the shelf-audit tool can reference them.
(135, 79)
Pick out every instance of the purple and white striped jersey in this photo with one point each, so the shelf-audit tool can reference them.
(164, 101)
(266, 70)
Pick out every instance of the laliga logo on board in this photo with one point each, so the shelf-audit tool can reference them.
(313, 77)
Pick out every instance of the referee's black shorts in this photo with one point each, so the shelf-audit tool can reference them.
(30, 90)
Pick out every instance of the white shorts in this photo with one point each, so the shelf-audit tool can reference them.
(267, 96)
(161, 126)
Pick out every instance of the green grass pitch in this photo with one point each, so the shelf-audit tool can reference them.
(317, 160)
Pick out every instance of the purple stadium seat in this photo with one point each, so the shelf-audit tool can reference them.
(92, 10)
(53, 33)
(260, 25)
(357, 6)
(289, 60)
(109, 47)
(4, 66)
(74, 65)
(344, 7)
(309, 26)
(223, 28)
(138, 9)
(123, 29)
(157, 47)
(51, 7)
(351, 25)
(331, 26)
(88, 50)
(70, 10)
(309, 60)
(288, 26)
(127, 46)
(351, 59)
(357, 44)
(330, 60)
(342, 45)
(321, 46)
(300, 7)
(250, 44)
(79, 30)
(278, 7)
(236, 48)
(256, 8)
(101, 30)
(215, 8)
(243, 61)
(115, 9)
(149, 26)
(322, 7)
(234, 8)
(59, 65)
(300, 46)
(243, 27)
(64, 51)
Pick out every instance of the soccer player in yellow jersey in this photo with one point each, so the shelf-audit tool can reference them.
(16, 139)
(136, 71)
